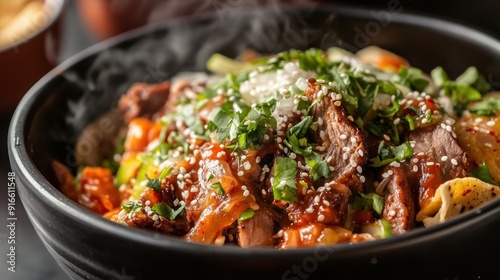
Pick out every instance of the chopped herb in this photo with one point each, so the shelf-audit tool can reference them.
(284, 187)
(466, 88)
(371, 201)
(155, 184)
(487, 107)
(483, 173)
(388, 154)
(218, 187)
(132, 207)
(166, 211)
(245, 126)
(247, 214)
(411, 77)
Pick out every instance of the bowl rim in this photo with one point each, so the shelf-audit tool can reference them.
(54, 16)
(42, 188)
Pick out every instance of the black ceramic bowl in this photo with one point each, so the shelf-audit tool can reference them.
(54, 112)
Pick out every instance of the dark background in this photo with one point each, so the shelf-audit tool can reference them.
(34, 261)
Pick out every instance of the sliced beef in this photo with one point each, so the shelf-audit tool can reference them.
(326, 205)
(440, 144)
(176, 227)
(143, 100)
(256, 231)
(437, 158)
(344, 143)
(399, 209)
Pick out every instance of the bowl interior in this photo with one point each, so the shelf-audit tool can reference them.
(53, 114)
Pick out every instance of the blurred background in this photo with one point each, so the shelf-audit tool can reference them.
(37, 35)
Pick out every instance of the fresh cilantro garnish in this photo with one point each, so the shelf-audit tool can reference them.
(483, 173)
(166, 211)
(155, 184)
(466, 88)
(132, 207)
(296, 140)
(371, 201)
(247, 214)
(411, 77)
(388, 154)
(284, 187)
(486, 107)
(245, 126)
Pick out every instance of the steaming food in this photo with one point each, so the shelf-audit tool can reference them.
(296, 149)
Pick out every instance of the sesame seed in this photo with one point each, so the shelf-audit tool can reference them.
(414, 160)
(344, 156)
(293, 156)
(392, 213)
(266, 137)
(396, 121)
(309, 210)
(444, 158)
(155, 217)
(320, 121)
(322, 134)
(424, 121)
(362, 179)
(247, 165)
(490, 123)
(361, 153)
(390, 172)
(194, 201)
(454, 161)
(385, 175)
(147, 202)
(337, 103)
(331, 168)
(386, 137)
(182, 170)
(321, 217)
(244, 187)
(147, 209)
(263, 192)
(448, 128)
(316, 199)
(415, 168)
(489, 145)
(257, 159)
(395, 164)
(343, 137)
(241, 173)
(429, 163)
(350, 118)
(246, 193)
(194, 189)
(359, 169)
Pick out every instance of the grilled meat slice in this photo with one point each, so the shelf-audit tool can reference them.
(440, 143)
(177, 227)
(256, 231)
(143, 100)
(399, 209)
(437, 158)
(343, 144)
